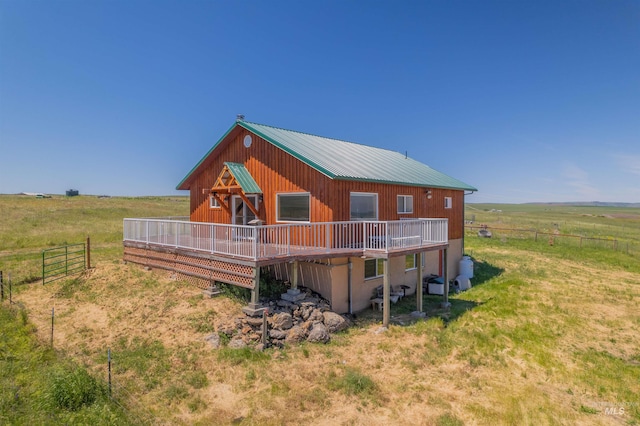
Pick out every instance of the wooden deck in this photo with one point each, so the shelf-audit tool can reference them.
(206, 252)
(276, 243)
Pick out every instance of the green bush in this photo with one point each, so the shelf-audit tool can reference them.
(72, 390)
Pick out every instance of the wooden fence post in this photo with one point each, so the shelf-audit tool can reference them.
(265, 329)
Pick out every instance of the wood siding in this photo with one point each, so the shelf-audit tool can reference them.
(276, 171)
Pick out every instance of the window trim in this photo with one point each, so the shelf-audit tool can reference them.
(377, 207)
(285, 194)
(415, 264)
(404, 203)
(379, 273)
(213, 203)
(448, 202)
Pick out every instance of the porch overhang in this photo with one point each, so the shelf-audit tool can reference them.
(235, 179)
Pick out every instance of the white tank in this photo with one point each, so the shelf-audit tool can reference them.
(466, 267)
(462, 283)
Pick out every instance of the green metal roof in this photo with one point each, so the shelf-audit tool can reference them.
(244, 178)
(351, 161)
(343, 160)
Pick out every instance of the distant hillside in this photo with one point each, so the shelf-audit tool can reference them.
(590, 204)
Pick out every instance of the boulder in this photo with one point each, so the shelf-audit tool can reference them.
(228, 328)
(254, 337)
(318, 334)
(277, 334)
(306, 312)
(213, 339)
(296, 335)
(334, 322)
(284, 304)
(282, 321)
(316, 316)
(254, 322)
(237, 344)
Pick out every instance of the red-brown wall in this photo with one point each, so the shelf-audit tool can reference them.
(275, 171)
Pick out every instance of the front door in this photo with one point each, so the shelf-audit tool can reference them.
(242, 214)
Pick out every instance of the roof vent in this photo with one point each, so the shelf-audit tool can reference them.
(240, 117)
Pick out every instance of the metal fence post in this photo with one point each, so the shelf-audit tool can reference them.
(52, 316)
(109, 368)
(88, 265)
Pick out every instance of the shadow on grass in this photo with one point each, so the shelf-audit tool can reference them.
(483, 272)
(432, 304)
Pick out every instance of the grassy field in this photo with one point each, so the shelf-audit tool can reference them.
(611, 227)
(31, 224)
(548, 334)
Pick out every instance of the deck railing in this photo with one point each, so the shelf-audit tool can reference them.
(259, 242)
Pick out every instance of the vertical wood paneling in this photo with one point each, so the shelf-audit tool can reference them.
(277, 171)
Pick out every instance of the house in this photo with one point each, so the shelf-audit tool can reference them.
(338, 217)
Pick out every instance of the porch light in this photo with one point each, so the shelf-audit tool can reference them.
(428, 192)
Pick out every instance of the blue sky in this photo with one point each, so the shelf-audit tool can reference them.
(526, 100)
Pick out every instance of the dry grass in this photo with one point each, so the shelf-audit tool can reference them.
(547, 335)
(554, 344)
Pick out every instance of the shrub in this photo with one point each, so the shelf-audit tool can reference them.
(74, 389)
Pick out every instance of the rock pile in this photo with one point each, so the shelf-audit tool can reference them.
(308, 319)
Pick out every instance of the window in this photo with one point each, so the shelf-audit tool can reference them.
(447, 202)
(410, 262)
(364, 206)
(373, 268)
(293, 207)
(405, 203)
(213, 203)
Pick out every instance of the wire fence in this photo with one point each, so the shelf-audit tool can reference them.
(120, 393)
(553, 238)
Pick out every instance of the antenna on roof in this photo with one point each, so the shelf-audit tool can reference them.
(240, 117)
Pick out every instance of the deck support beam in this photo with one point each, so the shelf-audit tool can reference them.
(293, 294)
(445, 295)
(294, 274)
(386, 292)
(253, 308)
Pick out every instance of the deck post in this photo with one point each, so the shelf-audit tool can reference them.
(419, 282)
(254, 309)
(294, 274)
(445, 302)
(386, 292)
(255, 293)
(293, 294)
